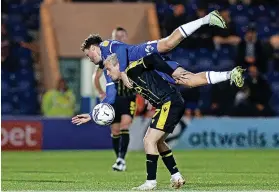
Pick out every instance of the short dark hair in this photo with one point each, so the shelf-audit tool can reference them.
(94, 39)
(120, 29)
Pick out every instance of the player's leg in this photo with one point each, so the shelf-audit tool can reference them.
(189, 79)
(120, 164)
(170, 42)
(150, 141)
(165, 151)
(115, 135)
(176, 112)
(183, 77)
(127, 111)
(115, 131)
(126, 121)
(163, 122)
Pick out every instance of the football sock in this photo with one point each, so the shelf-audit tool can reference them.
(217, 77)
(124, 142)
(169, 161)
(189, 28)
(115, 143)
(151, 166)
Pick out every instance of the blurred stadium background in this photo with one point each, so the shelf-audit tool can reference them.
(45, 80)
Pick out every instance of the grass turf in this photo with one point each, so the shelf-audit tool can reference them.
(91, 170)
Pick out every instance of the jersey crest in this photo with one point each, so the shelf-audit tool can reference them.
(105, 43)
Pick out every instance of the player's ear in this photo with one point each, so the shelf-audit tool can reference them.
(118, 65)
(92, 47)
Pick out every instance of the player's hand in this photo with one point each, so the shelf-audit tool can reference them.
(81, 119)
(102, 96)
(149, 106)
(260, 107)
(126, 80)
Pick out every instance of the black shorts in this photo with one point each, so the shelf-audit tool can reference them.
(124, 106)
(168, 115)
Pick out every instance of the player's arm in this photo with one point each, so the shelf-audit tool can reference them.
(122, 56)
(111, 91)
(96, 81)
(156, 62)
(110, 98)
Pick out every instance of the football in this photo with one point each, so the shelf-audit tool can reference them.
(103, 114)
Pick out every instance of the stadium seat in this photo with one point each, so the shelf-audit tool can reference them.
(14, 19)
(264, 31)
(6, 108)
(274, 100)
(33, 22)
(25, 63)
(239, 9)
(18, 36)
(261, 11)
(205, 96)
(274, 15)
(204, 60)
(25, 74)
(18, 27)
(15, 8)
(241, 20)
(241, 30)
(4, 88)
(25, 85)
(23, 53)
(213, 6)
(225, 59)
(225, 64)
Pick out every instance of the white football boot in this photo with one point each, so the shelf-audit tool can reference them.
(236, 76)
(147, 186)
(217, 20)
(119, 165)
(177, 181)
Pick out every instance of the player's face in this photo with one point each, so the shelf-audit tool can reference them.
(121, 36)
(94, 54)
(113, 71)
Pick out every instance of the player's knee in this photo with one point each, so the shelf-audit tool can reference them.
(125, 122)
(160, 143)
(165, 45)
(149, 141)
(115, 131)
(168, 45)
(125, 125)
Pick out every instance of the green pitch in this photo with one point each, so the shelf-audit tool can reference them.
(91, 170)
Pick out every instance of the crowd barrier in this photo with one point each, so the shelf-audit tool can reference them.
(36, 133)
(231, 133)
(44, 134)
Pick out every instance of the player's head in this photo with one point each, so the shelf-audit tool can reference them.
(62, 86)
(112, 65)
(119, 34)
(253, 72)
(225, 13)
(201, 10)
(91, 48)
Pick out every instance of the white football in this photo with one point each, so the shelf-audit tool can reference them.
(103, 114)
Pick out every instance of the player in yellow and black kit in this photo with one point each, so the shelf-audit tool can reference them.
(154, 78)
(123, 101)
(159, 89)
